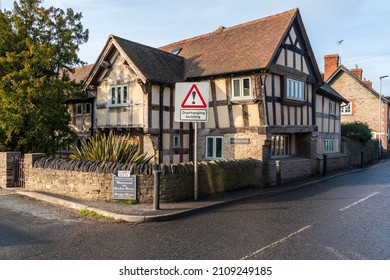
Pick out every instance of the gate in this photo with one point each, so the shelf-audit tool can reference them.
(18, 172)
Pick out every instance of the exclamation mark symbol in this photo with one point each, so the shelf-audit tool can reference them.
(193, 97)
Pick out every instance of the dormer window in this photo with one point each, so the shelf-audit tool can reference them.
(176, 51)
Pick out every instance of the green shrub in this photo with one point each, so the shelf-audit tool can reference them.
(356, 130)
(128, 202)
(111, 148)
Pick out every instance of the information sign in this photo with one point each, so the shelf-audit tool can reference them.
(124, 186)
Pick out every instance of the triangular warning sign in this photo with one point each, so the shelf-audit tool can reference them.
(194, 99)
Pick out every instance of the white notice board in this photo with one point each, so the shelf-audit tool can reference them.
(192, 102)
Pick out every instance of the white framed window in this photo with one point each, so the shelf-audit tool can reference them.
(295, 90)
(346, 109)
(280, 145)
(328, 146)
(83, 109)
(176, 141)
(119, 95)
(214, 147)
(332, 108)
(241, 88)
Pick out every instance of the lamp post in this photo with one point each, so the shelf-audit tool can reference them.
(380, 115)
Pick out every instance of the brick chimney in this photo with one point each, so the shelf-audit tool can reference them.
(367, 83)
(358, 72)
(331, 63)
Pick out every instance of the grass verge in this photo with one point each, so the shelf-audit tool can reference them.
(85, 213)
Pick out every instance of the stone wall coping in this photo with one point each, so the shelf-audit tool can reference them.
(335, 155)
(288, 159)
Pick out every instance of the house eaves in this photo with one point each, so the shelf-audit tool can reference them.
(151, 65)
(330, 92)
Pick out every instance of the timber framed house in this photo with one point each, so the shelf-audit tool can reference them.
(263, 78)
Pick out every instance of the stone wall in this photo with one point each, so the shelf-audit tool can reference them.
(354, 149)
(334, 162)
(214, 177)
(291, 169)
(176, 181)
(93, 180)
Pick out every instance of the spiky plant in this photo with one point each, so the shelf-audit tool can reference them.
(111, 148)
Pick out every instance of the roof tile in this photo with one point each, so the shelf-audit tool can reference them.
(248, 46)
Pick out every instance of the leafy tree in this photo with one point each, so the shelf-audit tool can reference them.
(356, 130)
(38, 48)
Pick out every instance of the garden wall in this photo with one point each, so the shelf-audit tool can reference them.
(370, 150)
(93, 180)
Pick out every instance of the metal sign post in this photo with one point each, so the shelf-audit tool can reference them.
(191, 105)
(195, 161)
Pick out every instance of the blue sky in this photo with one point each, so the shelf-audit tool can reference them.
(363, 25)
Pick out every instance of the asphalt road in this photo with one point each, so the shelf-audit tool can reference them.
(346, 217)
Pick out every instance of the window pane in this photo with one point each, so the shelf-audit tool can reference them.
(282, 151)
(218, 148)
(124, 94)
(280, 145)
(236, 88)
(87, 108)
(301, 91)
(273, 146)
(290, 89)
(119, 95)
(246, 85)
(113, 95)
(296, 90)
(78, 109)
(286, 145)
(209, 143)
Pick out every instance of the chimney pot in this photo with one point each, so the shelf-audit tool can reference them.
(358, 72)
(367, 83)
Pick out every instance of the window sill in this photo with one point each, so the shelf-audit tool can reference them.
(244, 100)
(289, 159)
(118, 105)
(210, 159)
(280, 157)
(293, 102)
(82, 115)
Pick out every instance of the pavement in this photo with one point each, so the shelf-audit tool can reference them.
(141, 213)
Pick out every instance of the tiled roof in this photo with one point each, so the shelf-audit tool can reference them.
(333, 78)
(248, 46)
(80, 73)
(242, 48)
(328, 90)
(154, 64)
